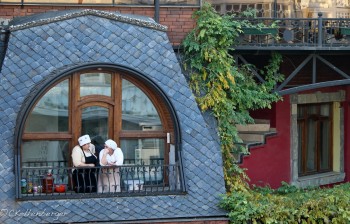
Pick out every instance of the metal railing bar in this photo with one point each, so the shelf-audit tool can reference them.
(333, 67)
(314, 86)
(294, 73)
(124, 180)
(251, 69)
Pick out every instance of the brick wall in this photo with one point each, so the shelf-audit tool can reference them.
(177, 19)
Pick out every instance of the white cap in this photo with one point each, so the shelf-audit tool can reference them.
(84, 140)
(111, 144)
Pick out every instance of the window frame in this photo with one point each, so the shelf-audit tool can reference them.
(76, 103)
(160, 102)
(318, 118)
(338, 101)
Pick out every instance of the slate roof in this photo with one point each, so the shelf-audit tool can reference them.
(42, 48)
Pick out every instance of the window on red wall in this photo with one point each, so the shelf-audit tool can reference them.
(314, 138)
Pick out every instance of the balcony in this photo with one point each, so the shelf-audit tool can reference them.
(295, 34)
(53, 180)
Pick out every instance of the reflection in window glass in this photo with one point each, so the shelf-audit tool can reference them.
(314, 138)
(94, 122)
(48, 156)
(50, 114)
(325, 127)
(324, 110)
(95, 84)
(45, 153)
(311, 145)
(138, 112)
(143, 151)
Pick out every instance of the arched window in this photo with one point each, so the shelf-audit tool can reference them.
(105, 105)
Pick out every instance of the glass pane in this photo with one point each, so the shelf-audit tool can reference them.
(143, 151)
(94, 122)
(324, 146)
(325, 110)
(45, 153)
(50, 114)
(301, 110)
(138, 112)
(95, 84)
(47, 157)
(311, 146)
(312, 110)
(300, 152)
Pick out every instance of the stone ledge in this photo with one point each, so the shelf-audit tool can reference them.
(320, 179)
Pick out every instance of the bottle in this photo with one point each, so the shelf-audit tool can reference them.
(23, 186)
(47, 183)
(30, 187)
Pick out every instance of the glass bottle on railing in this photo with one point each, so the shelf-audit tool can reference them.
(30, 187)
(23, 186)
(47, 183)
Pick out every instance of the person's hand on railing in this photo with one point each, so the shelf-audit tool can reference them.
(86, 165)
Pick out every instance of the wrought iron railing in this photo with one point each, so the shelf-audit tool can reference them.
(55, 182)
(297, 33)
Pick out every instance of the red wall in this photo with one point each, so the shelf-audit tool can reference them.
(271, 165)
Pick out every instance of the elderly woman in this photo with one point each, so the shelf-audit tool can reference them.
(83, 156)
(109, 178)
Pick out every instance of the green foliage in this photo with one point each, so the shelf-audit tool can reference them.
(289, 204)
(227, 90)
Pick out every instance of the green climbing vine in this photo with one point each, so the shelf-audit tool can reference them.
(227, 90)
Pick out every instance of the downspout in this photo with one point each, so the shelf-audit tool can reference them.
(4, 37)
(156, 10)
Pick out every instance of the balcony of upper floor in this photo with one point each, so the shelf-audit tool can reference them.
(320, 25)
(297, 34)
(52, 180)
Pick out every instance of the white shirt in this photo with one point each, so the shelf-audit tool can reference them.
(117, 158)
(78, 155)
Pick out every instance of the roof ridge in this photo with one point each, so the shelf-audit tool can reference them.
(127, 18)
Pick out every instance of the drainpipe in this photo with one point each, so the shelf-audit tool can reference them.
(320, 29)
(4, 37)
(156, 10)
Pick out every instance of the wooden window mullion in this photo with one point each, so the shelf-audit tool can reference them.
(117, 96)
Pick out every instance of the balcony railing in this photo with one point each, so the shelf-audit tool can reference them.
(55, 181)
(297, 34)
